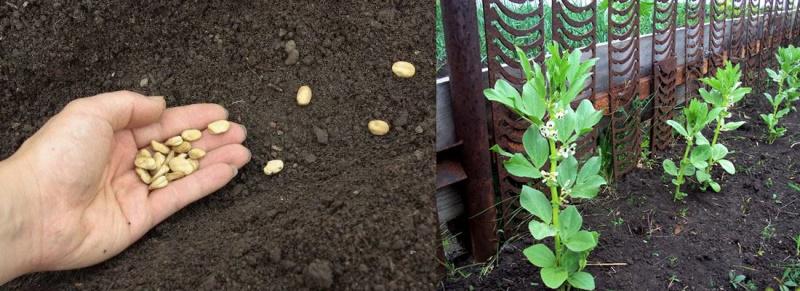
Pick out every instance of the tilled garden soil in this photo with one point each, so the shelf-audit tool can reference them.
(693, 244)
(350, 210)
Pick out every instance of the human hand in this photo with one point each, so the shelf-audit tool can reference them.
(70, 198)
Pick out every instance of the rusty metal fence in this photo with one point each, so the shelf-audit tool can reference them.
(663, 67)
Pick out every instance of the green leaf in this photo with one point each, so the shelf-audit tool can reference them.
(567, 172)
(553, 277)
(503, 93)
(702, 176)
(581, 241)
(718, 151)
(727, 166)
(536, 146)
(539, 85)
(535, 103)
(536, 203)
(588, 187)
(540, 255)
(714, 186)
(570, 221)
(699, 156)
(678, 127)
(590, 167)
(670, 168)
(730, 126)
(700, 139)
(566, 125)
(581, 280)
(524, 62)
(519, 166)
(497, 149)
(589, 117)
(571, 261)
(540, 230)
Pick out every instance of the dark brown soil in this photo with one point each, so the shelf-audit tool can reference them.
(689, 245)
(350, 210)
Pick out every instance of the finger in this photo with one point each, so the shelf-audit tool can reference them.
(176, 119)
(232, 154)
(235, 135)
(121, 109)
(179, 193)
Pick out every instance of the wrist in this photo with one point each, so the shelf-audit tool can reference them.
(15, 227)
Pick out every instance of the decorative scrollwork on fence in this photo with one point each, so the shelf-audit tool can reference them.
(575, 26)
(752, 37)
(664, 65)
(507, 21)
(623, 83)
(737, 40)
(693, 46)
(716, 35)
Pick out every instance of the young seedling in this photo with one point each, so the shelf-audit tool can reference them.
(796, 240)
(788, 59)
(555, 127)
(725, 91)
(695, 159)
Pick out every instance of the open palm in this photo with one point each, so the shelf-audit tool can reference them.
(86, 202)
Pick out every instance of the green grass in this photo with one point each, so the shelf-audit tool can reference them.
(645, 26)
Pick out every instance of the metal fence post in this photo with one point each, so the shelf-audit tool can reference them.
(470, 121)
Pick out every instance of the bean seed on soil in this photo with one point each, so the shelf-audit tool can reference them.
(303, 95)
(219, 126)
(403, 69)
(378, 127)
(273, 167)
(191, 135)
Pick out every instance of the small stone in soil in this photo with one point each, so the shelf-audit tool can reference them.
(318, 274)
(322, 135)
(292, 57)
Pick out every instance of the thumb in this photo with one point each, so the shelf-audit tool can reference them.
(121, 109)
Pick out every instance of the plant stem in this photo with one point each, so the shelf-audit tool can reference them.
(689, 145)
(555, 199)
(720, 122)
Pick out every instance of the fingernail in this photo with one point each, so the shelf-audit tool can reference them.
(235, 171)
(245, 130)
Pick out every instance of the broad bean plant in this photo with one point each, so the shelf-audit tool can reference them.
(549, 155)
(787, 80)
(726, 90)
(700, 154)
(695, 159)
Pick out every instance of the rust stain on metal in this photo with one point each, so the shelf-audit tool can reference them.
(623, 67)
(664, 66)
(575, 26)
(693, 46)
(507, 127)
